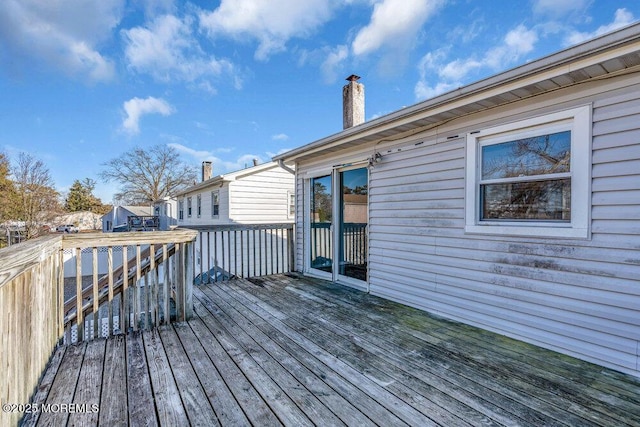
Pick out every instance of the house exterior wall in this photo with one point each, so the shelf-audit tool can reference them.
(205, 217)
(260, 197)
(577, 296)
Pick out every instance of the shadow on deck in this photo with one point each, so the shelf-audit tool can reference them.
(296, 351)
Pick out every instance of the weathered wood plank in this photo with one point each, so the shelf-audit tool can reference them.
(227, 409)
(113, 403)
(83, 240)
(64, 386)
(375, 391)
(169, 406)
(44, 387)
(89, 386)
(340, 396)
(142, 411)
(275, 397)
(419, 395)
(254, 406)
(194, 398)
(280, 366)
(537, 387)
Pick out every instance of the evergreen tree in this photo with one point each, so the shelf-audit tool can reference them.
(8, 199)
(81, 198)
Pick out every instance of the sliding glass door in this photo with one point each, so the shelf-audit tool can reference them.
(321, 225)
(353, 222)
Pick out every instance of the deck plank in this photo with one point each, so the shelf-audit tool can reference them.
(113, 404)
(44, 387)
(226, 408)
(194, 398)
(169, 407)
(287, 350)
(89, 385)
(254, 406)
(63, 386)
(551, 392)
(142, 410)
(350, 347)
(303, 386)
(282, 405)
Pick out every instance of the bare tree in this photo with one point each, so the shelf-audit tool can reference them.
(35, 192)
(148, 174)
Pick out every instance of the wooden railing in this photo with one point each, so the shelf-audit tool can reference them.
(242, 250)
(63, 289)
(158, 271)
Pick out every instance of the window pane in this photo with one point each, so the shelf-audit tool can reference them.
(536, 200)
(537, 155)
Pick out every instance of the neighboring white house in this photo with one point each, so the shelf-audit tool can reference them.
(255, 195)
(167, 212)
(118, 216)
(512, 204)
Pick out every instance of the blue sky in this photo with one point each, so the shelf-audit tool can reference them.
(227, 81)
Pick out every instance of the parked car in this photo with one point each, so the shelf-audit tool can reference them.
(67, 228)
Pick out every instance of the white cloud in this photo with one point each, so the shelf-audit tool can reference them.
(393, 23)
(558, 9)
(63, 34)
(515, 44)
(423, 91)
(622, 18)
(220, 166)
(167, 50)
(280, 137)
(333, 63)
(135, 108)
(272, 23)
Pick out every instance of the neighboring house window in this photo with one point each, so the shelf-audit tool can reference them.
(199, 205)
(181, 210)
(188, 207)
(157, 211)
(215, 204)
(291, 198)
(531, 177)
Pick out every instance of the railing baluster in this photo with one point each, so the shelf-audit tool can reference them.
(165, 289)
(79, 313)
(137, 303)
(96, 302)
(209, 257)
(215, 256)
(124, 297)
(110, 331)
(153, 297)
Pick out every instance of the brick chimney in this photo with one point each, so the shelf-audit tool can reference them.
(207, 171)
(352, 102)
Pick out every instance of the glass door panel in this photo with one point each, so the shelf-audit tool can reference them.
(321, 221)
(354, 209)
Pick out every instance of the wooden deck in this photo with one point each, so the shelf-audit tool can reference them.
(297, 351)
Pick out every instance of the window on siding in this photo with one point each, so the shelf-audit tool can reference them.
(188, 207)
(531, 177)
(181, 210)
(215, 204)
(292, 204)
(199, 205)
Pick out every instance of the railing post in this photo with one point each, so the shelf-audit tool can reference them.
(188, 280)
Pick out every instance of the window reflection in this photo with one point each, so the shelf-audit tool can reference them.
(538, 155)
(537, 200)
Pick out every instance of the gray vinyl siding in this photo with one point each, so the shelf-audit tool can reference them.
(579, 297)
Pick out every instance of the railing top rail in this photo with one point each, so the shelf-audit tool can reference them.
(128, 238)
(227, 227)
(16, 259)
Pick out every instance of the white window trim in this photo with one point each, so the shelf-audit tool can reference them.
(291, 215)
(199, 205)
(189, 207)
(580, 124)
(216, 192)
